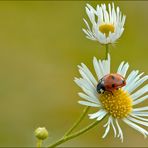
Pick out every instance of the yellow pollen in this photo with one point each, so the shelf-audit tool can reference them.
(106, 28)
(118, 104)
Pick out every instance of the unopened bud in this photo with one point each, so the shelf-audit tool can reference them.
(41, 133)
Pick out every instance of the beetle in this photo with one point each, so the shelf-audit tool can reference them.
(110, 83)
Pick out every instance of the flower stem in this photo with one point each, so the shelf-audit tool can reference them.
(39, 143)
(78, 121)
(66, 138)
(107, 51)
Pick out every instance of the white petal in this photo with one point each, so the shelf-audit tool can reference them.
(91, 38)
(113, 127)
(90, 14)
(140, 92)
(97, 68)
(85, 77)
(84, 83)
(123, 20)
(87, 33)
(122, 70)
(107, 128)
(102, 116)
(138, 121)
(131, 80)
(132, 84)
(87, 25)
(88, 103)
(120, 67)
(136, 127)
(131, 76)
(97, 114)
(90, 75)
(120, 135)
(106, 131)
(102, 68)
(141, 109)
(133, 115)
(142, 114)
(91, 8)
(138, 83)
(90, 93)
(139, 100)
(88, 98)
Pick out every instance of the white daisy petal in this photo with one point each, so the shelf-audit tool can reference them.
(88, 98)
(120, 67)
(85, 84)
(120, 135)
(91, 77)
(106, 131)
(131, 86)
(132, 76)
(88, 103)
(140, 92)
(144, 114)
(102, 68)
(91, 8)
(102, 116)
(86, 23)
(113, 127)
(101, 113)
(124, 69)
(137, 121)
(141, 109)
(89, 93)
(107, 125)
(138, 83)
(90, 14)
(136, 127)
(90, 38)
(131, 80)
(97, 68)
(139, 100)
(85, 77)
(135, 116)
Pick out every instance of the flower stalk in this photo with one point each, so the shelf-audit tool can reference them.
(66, 138)
(85, 111)
(39, 143)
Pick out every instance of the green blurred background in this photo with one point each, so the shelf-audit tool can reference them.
(41, 44)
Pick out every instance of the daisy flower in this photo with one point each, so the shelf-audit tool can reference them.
(122, 104)
(107, 25)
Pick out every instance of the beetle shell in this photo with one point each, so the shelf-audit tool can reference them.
(111, 82)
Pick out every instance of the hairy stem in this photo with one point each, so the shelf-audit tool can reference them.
(78, 121)
(39, 143)
(66, 138)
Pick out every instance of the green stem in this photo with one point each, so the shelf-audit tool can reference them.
(107, 51)
(78, 121)
(39, 143)
(66, 138)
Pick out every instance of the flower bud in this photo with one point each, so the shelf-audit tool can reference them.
(41, 133)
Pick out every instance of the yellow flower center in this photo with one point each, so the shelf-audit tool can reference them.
(118, 104)
(106, 28)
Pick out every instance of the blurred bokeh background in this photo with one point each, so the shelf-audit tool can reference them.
(41, 44)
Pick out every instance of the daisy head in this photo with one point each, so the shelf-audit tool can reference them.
(117, 105)
(107, 24)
